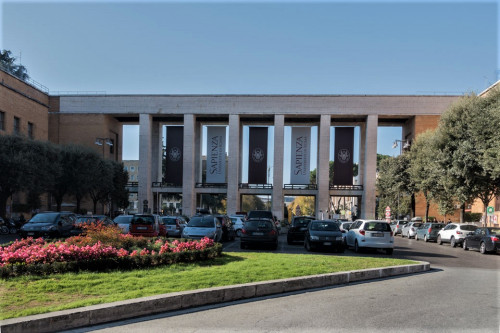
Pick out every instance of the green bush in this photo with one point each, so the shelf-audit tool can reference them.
(472, 217)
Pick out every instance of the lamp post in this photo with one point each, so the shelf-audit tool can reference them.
(403, 144)
(102, 142)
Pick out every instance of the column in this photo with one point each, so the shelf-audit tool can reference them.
(370, 169)
(188, 176)
(145, 153)
(279, 140)
(156, 172)
(233, 164)
(322, 171)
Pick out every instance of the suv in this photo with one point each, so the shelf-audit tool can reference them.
(145, 225)
(370, 234)
(263, 214)
(454, 233)
(49, 225)
(397, 226)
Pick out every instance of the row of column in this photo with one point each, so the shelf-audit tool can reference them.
(150, 143)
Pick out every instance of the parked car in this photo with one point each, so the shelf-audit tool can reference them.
(90, 219)
(370, 234)
(123, 222)
(324, 234)
(484, 239)
(454, 233)
(200, 226)
(147, 225)
(172, 226)
(263, 214)
(344, 228)
(397, 226)
(228, 232)
(429, 231)
(297, 229)
(49, 225)
(237, 221)
(410, 229)
(259, 231)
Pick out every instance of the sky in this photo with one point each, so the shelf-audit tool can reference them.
(255, 47)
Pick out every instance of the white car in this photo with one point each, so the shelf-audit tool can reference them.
(370, 234)
(237, 223)
(454, 233)
(410, 229)
(123, 221)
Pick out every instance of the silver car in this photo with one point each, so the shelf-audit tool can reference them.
(123, 221)
(410, 229)
(200, 226)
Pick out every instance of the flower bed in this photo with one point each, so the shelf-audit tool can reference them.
(100, 249)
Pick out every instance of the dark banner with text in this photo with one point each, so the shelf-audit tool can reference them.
(343, 163)
(257, 160)
(174, 152)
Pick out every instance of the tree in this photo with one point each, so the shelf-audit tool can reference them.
(468, 149)
(7, 64)
(119, 195)
(101, 184)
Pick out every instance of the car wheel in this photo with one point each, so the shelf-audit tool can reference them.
(356, 247)
(439, 241)
(453, 242)
(238, 232)
(425, 239)
(307, 246)
(464, 245)
(482, 248)
(389, 251)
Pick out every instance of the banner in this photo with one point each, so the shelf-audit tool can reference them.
(257, 159)
(174, 155)
(300, 152)
(216, 154)
(343, 163)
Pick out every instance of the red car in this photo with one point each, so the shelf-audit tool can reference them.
(147, 225)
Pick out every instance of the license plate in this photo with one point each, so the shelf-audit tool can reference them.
(327, 243)
(303, 229)
(377, 234)
(31, 233)
(258, 234)
(142, 228)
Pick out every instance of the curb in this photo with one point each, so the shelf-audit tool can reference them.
(138, 307)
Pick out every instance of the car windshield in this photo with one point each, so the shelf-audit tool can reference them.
(437, 226)
(143, 220)
(44, 218)
(324, 226)
(494, 231)
(468, 227)
(169, 221)
(85, 219)
(201, 222)
(377, 226)
(301, 222)
(417, 224)
(123, 219)
(259, 224)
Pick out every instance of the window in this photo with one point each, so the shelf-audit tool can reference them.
(17, 125)
(132, 168)
(30, 130)
(2, 121)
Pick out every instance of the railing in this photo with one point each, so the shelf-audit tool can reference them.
(30, 81)
(346, 187)
(132, 184)
(78, 92)
(255, 186)
(211, 185)
(160, 184)
(300, 187)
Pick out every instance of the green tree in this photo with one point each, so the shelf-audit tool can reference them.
(8, 65)
(252, 202)
(119, 195)
(101, 184)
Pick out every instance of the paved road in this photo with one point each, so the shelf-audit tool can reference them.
(461, 293)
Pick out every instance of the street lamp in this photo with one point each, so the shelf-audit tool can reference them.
(102, 142)
(403, 144)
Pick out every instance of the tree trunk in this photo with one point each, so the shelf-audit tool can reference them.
(95, 205)
(427, 205)
(462, 212)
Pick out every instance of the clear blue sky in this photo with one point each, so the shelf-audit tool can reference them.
(250, 47)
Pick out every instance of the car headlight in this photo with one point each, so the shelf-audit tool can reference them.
(314, 238)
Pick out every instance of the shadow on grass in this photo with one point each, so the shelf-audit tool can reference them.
(224, 259)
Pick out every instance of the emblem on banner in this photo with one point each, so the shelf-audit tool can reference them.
(344, 155)
(257, 155)
(174, 154)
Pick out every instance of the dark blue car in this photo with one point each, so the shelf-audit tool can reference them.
(484, 239)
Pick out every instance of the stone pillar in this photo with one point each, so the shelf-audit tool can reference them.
(370, 169)
(233, 164)
(322, 170)
(279, 140)
(188, 176)
(145, 160)
(156, 172)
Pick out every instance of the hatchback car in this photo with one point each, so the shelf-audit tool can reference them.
(123, 222)
(49, 225)
(397, 226)
(410, 229)
(172, 226)
(200, 226)
(428, 231)
(484, 239)
(324, 234)
(298, 227)
(259, 232)
(237, 221)
(147, 225)
(454, 233)
(370, 234)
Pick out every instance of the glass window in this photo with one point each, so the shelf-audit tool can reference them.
(132, 168)
(30, 130)
(17, 125)
(2, 120)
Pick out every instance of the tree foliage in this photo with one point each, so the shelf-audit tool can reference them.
(8, 65)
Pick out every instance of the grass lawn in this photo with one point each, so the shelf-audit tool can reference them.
(24, 296)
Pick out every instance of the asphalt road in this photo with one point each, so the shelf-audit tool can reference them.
(461, 293)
